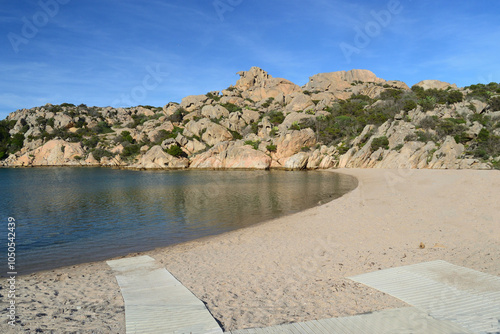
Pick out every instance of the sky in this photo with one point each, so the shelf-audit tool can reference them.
(124, 53)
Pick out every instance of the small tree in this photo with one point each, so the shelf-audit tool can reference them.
(380, 142)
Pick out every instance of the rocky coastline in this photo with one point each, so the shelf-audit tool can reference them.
(341, 119)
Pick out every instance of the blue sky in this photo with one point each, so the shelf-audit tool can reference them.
(127, 52)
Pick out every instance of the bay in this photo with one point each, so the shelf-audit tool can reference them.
(66, 216)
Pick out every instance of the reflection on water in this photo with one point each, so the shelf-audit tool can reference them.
(72, 215)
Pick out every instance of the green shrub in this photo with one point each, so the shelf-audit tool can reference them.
(398, 147)
(343, 148)
(91, 142)
(254, 144)
(424, 137)
(483, 135)
(454, 96)
(125, 136)
(427, 103)
(495, 164)
(450, 127)
(411, 137)
(268, 102)
(295, 126)
(380, 142)
(178, 115)
(213, 96)
(131, 150)
(271, 148)
(409, 105)
(274, 131)
(391, 94)
(429, 122)
(483, 92)
(481, 119)
(102, 127)
(236, 135)
(305, 148)
(438, 95)
(231, 107)
(254, 127)
(461, 138)
(164, 134)
(494, 103)
(99, 153)
(16, 142)
(275, 117)
(176, 151)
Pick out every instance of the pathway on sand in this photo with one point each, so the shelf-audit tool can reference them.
(448, 299)
(155, 302)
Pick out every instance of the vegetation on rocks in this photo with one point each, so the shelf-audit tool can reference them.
(329, 122)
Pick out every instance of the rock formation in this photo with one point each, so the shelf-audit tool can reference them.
(338, 119)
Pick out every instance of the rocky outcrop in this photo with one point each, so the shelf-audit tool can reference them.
(258, 85)
(291, 143)
(411, 154)
(156, 158)
(338, 81)
(234, 155)
(211, 133)
(297, 161)
(192, 102)
(215, 112)
(435, 84)
(264, 122)
(52, 153)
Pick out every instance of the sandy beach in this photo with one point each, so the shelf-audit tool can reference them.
(294, 268)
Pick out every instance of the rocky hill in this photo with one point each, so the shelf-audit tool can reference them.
(338, 119)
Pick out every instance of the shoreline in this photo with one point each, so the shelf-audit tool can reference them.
(294, 268)
(334, 188)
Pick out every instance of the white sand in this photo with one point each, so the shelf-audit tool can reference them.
(294, 268)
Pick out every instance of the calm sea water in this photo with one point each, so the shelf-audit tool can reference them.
(66, 216)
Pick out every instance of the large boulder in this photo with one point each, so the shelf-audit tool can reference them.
(250, 116)
(215, 134)
(447, 155)
(55, 152)
(153, 132)
(62, 120)
(295, 118)
(291, 143)
(337, 81)
(299, 101)
(234, 155)
(435, 84)
(216, 111)
(297, 161)
(192, 102)
(256, 84)
(210, 132)
(156, 158)
(194, 146)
